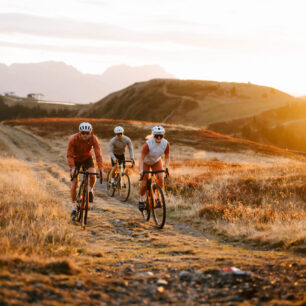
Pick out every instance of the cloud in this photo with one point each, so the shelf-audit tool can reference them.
(192, 36)
(13, 23)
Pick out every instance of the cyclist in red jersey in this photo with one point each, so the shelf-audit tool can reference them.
(79, 153)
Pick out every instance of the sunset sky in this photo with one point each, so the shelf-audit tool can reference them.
(262, 41)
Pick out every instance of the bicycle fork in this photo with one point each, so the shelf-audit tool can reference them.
(151, 197)
(120, 175)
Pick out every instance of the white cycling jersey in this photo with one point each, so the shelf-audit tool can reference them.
(156, 151)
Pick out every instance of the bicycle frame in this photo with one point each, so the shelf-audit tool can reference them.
(120, 172)
(118, 181)
(150, 183)
(149, 191)
(155, 200)
(84, 182)
(83, 194)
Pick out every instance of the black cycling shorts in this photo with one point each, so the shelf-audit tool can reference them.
(120, 159)
(88, 163)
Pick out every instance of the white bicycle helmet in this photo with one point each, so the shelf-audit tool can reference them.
(158, 129)
(85, 127)
(118, 130)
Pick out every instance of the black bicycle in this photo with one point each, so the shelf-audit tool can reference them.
(82, 198)
(155, 200)
(121, 184)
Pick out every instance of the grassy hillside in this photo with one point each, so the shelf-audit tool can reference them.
(196, 138)
(189, 102)
(257, 201)
(284, 127)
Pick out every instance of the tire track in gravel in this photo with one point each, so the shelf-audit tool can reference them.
(23, 145)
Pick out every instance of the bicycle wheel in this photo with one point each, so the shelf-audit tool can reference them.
(84, 209)
(109, 187)
(79, 200)
(124, 189)
(146, 212)
(159, 206)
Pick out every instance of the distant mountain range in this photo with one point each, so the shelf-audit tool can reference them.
(58, 81)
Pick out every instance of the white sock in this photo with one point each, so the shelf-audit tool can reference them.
(142, 198)
(73, 206)
(112, 180)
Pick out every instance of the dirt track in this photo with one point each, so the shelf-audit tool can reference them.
(127, 261)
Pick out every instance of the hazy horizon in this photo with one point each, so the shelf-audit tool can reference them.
(261, 42)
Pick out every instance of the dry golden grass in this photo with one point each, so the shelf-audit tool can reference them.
(32, 221)
(262, 204)
(239, 192)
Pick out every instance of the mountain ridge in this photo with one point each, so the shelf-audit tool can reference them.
(59, 81)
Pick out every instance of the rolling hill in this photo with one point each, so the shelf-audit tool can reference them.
(284, 127)
(190, 102)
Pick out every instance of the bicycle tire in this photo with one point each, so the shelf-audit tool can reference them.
(79, 202)
(146, 213)
(109, 188)
(124, 189)
(84, 209)
(159, 208)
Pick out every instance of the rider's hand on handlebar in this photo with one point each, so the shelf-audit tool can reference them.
(167, 173)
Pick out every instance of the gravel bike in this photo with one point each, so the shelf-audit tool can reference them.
(155, 200)
(82, 198)
(121, 183)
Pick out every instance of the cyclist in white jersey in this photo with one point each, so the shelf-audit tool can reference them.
(150, 158)
(117, 147)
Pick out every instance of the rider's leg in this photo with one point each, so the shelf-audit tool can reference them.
(73, 189)
(143, 187)
(113, 170)
(142, 192)
(160, 179)
(92, 181)
(160, 176)
(73, 192)
(92, 178)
